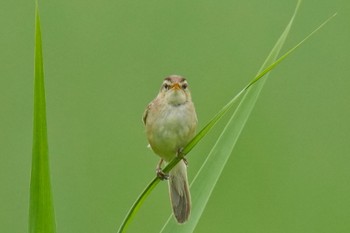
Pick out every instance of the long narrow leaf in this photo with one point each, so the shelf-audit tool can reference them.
(41, 210)
(217, 117)
(204, 182)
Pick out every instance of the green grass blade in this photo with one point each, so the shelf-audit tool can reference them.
(209, 173)
(272, 56)
(41, 210)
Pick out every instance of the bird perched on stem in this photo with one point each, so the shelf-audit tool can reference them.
(170, 121)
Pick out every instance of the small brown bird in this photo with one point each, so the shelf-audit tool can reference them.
(170, 121)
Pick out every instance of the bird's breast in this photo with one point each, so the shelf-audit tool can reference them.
(170, 129)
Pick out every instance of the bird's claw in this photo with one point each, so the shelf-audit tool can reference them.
(162, 175)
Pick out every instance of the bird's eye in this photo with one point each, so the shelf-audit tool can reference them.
(184, 86)
(166, 86)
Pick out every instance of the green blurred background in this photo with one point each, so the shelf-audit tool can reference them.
(105, 60)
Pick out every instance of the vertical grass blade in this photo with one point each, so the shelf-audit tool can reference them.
(41, 210)
(209, 173)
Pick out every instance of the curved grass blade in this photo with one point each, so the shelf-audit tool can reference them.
(41, 210)
(204, 182)
(206, 129)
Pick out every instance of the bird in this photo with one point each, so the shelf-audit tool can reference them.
(170, 123)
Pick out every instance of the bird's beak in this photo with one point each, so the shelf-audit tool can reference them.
(176, 86)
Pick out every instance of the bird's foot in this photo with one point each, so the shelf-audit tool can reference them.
(161, 175)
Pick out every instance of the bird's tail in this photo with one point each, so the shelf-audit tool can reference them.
(179, 192)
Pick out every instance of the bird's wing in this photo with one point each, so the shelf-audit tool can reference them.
(145, 114)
